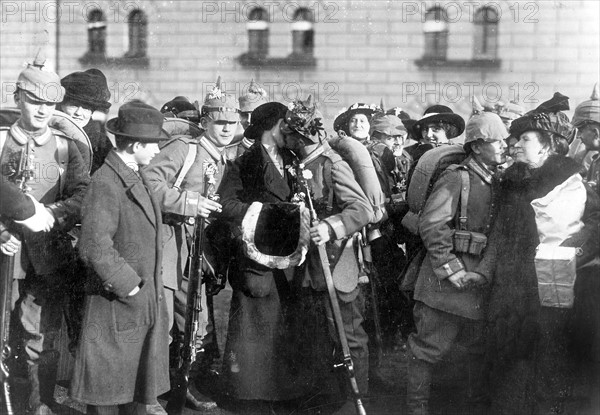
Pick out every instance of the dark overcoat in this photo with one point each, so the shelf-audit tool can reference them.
(123, 353)
(260, 359)
(527, 343)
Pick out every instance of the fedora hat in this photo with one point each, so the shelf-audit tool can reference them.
(436, 114)
(139, 121)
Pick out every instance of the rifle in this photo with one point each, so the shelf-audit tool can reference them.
(335, 308)
(371, 272)
(6, 274)
(177, 397)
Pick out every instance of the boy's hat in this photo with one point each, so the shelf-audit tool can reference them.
(139, 121)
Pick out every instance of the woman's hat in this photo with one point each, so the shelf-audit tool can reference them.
(139, 121)
(548, 116)
(262, 116)
(436, 114)
(88, 88)
(341, 121)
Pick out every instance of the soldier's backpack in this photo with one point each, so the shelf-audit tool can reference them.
(429, 168)
(358, 158)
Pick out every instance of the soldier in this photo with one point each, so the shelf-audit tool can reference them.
(54, 174)
(454, 226)
(122, 364)
(86, 92)
(255, 97)
(343, 211)
(177, 176)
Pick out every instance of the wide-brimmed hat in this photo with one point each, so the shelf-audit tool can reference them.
(221, 106)
(139, 121)
(548, 116)
(304, 118)
(437, 114)
(88, 88)
(181, 107)
(387, 124)
(40, 84)
(587, 110)
(262, 116)
(255, 97)
(341, 121)
(276, 235)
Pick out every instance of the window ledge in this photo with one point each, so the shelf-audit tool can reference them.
(430, 63)
(291, 61)
(99, 59)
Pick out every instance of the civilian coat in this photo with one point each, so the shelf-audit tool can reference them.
(260, 353)
(123, 353)
(527, 343)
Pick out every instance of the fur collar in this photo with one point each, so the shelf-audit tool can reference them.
(541, 180)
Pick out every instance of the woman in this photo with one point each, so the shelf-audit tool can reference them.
(260, 349)
(531, 367)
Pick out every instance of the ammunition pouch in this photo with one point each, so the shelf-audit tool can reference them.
(469, 242)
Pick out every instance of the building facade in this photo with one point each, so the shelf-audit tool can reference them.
(407, 53)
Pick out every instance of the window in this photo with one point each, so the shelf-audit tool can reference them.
(303, 35)
(96, 33)
(435, 29)
(486, 34)
(138, 34)
(258, 33)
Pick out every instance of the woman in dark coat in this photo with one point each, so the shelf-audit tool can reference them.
(532, 368)
(260, 351)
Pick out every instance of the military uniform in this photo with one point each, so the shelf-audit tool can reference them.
(346, 209)
(45, 261)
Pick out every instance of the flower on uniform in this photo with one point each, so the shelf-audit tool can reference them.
(307, 174)
(216, 93)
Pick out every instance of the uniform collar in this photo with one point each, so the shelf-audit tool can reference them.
(215, 153)
(314, 154)
(246, 143)
(480, 169)
(22, 137)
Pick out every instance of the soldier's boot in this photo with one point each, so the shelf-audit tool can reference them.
(477, 387)
(35, 404)
(418, 386)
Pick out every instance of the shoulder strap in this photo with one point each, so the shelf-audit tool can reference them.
(464, 198)
(187, 164)
(328, 178)
(62, 147)
(3, 135)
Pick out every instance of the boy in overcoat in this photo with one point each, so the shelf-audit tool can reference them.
(122, 359)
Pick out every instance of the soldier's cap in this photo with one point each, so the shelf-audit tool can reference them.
(276, 235)
(387, 124)
(398, 112)
(304, 118)
(486, 126)
(341, 121)
(548, 116)
(255, 97)
(88, 88)
(181, 107)
(39, 84)
(510, 111)
(220, 106)
(263, 118)
(139, 121)
(587, 110)
(436, 114)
